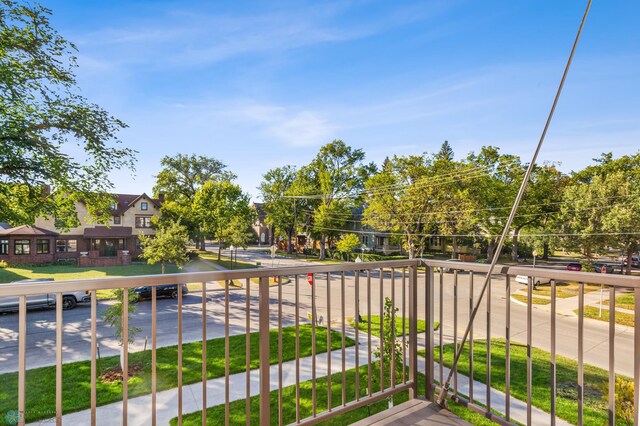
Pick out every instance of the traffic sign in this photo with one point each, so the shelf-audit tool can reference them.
(310, 279)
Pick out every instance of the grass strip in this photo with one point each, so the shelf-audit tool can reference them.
(216, 415)
(76, 376)
(564, 289)
(535, 300)
(596, 379)
(375, 325)
(622, 318)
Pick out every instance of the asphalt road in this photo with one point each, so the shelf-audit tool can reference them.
(77, 338)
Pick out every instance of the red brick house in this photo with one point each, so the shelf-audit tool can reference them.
(88, 244)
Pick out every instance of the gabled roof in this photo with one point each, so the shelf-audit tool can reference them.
(104, 232)
(125, 201)
(27, 230)
(4, 225)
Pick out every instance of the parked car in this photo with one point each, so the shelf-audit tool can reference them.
(635, 261)
(449, 268)
(165, 290)
(523, 279)
(69, 300)
(574, 267)
(598, 268)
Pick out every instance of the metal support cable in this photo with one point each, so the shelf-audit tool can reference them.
(516, 203)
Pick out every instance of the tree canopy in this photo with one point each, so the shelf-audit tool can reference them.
(42, 115)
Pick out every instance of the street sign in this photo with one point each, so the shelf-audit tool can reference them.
(310, 279)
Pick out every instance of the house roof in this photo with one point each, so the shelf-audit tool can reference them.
(125, 201)
(104, 232)
(27, 230)
(4, 225)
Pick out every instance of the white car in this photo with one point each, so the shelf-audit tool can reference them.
(69, 299)
(523, 279)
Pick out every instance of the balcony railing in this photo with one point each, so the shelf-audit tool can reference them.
(420, 291)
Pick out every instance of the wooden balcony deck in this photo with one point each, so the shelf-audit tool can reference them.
(414, 412)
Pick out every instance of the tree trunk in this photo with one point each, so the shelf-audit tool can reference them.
(454, 247)
(197, 243)
(203, 244)
(289, 238)
(545, 251)
(514, 247)
(163, 266)
(220, 242)
(323, 238)
(491, 246)
(629, 255)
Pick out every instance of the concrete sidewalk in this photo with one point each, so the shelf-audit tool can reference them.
(167, 401)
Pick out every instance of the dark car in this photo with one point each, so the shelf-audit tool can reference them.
(598, 268)
(165, 290)
(574, 267)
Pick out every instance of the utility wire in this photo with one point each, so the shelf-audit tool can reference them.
(525, 181)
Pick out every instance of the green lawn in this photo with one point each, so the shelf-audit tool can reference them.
(564, 289)
(622, 318)
(595, 379)
(375, 325)
(225, 261)
(535, 300)
(624, 301)
(215, 415)
(77, 375)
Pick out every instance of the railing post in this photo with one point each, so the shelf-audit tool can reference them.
(265, 367)
(413, 330)
(429, 309)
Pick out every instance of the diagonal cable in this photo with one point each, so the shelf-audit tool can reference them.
(507, 226)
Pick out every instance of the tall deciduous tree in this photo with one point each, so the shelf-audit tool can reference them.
(336, 176)
(276, 187)
(168, 245)
(179, 180)
(347, 244)
(221, 207)
(41, 113)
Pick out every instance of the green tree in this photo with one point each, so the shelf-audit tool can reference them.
(168, 245)
(42, 114)
(221, 207)
(277, 184)
(335, 177)
(445, 153)
(347, 243)
(179, 179)
(114, 316)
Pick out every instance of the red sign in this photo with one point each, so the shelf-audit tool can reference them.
(310, 279)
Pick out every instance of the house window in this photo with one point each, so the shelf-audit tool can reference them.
(144, 206)
(365, 240)
(122, 244)
(138, 245)
(116, 220)
(95, 244)
(4, 246)
(113, 206)
(21, 247)
(143, 221)
(63, 246)
(380, 241)
(42, 246)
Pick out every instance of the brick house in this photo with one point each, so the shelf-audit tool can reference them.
(87, 244)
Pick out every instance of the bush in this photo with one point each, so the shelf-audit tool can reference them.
(587, 266)
(623, 399)
(192, 254)
(3, 264)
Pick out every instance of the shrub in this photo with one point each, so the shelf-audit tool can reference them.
(3, 264)
(587, 266)
(623, 399)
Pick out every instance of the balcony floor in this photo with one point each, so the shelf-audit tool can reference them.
(414, 412)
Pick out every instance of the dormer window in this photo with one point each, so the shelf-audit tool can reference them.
(144, 206)
(113, 206)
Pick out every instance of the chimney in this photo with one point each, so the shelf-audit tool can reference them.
(161, 197)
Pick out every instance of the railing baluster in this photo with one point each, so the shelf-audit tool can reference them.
(180, 394)
(553, 353)
(328, 342)
(529, 345)
(580, 352)
(94, 343)
(59, 358)
(441, 327)
(357, 324)
(612, 353)
(204, 353)
(263, 324)
(297, 298)
(125, 349)
(369, 360)
(404, 326)
(154, 343)
(280, 413)
(470, 338)
(313, 346)
(429, 313)
(344, 377)
(413, 333)
(392, 367)
(636, 355)
(247, 349)
(22, 357)
(227, 411)
(488, 348)
(381, 340)
(507, 366)
(455, 327)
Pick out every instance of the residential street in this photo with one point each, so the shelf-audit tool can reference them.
(76, 340)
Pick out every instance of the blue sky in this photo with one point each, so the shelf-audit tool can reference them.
(262, 84)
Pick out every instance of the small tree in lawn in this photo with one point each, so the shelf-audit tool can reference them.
(114, 316)
(347, 243)
(389, 344)
(169, 245)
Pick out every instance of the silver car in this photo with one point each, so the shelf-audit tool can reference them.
(12, 303)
